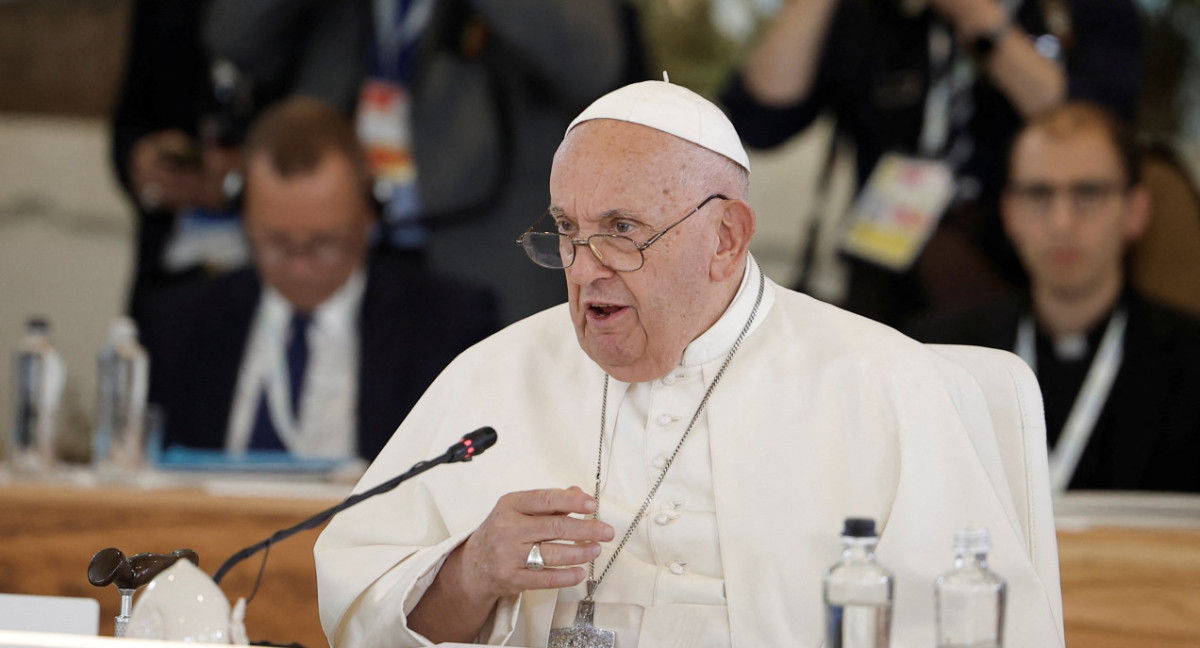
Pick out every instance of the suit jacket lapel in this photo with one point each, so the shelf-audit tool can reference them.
(220, 361)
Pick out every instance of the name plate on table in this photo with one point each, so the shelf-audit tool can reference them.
(62, 614)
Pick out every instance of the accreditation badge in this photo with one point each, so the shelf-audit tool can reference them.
(383, 123)
(898, 210)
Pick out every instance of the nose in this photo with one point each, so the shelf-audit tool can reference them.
(587, 266)
(1062, 211)
(299, 260)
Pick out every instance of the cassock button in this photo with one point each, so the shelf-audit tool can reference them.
(665, 419)
(676, 568)
(660, 462)
(669, 379)
(662, 519)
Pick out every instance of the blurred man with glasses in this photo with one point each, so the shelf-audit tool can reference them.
(1120, 375)
(322, 347)
(684, 434)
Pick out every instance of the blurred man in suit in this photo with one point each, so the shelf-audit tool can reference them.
(1120, 375)
(459, 102)
(325, 344)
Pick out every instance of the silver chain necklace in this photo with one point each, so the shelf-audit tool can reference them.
(584, 634)
(593, 582)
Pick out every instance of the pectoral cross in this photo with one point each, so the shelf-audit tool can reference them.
(583, 634)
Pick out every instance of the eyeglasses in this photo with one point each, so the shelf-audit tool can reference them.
(324, 249)
(556, 250)
(1086, 196)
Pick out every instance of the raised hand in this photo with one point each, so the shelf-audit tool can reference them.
(491, 563)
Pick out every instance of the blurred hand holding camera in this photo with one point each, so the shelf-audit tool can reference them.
(170, 170)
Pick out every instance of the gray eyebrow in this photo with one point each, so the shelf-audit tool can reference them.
(558, 212)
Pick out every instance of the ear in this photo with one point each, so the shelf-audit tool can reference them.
(734, 231)
(1138, 217)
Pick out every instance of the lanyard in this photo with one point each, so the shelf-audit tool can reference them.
(952, 73)
(279, 399)
(1097, 385)
(398, 28)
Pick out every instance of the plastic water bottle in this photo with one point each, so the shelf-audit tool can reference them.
(39, 375)
(117, 443)
(858, 592)
(970, 597)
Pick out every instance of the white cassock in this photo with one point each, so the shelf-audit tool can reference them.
(821, 415)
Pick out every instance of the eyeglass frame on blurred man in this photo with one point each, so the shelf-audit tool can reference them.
(272, 249)
(1086, 196)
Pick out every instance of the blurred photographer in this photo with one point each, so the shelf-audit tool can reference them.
(176, 128)
(933, 89)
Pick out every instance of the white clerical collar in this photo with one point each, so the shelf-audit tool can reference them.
(716, 341)
(337, 313)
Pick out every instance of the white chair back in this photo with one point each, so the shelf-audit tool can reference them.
(1015, 404)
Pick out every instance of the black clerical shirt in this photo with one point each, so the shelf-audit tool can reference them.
(1147, 436)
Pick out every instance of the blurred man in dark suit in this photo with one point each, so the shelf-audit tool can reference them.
(325, 344)
(460, 103)
(1120, 375)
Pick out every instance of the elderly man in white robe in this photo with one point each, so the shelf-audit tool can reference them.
(674, 467)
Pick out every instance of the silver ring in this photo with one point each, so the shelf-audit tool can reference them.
(534, 561)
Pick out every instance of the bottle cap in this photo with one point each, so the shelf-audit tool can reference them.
(972, 540)
(122, 330)
(859, 528)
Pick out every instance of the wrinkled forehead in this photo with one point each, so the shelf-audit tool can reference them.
(613, 161)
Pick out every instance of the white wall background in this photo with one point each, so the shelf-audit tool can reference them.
(65, 233)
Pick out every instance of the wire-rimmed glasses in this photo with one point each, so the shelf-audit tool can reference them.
(1086, 196)
(556, 250)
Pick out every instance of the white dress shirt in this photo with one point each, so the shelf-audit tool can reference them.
(328, 400)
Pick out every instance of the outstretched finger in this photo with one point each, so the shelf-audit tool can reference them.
(552, 578)
(552, 501)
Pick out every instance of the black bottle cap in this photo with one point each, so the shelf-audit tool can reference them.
(859, 528)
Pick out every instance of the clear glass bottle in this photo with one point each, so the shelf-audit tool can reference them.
(970, 598)
(122, 380)
(39, 376)
(858, 592)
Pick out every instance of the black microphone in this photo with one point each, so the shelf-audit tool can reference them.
(472, 444)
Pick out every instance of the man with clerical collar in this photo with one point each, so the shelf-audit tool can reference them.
(1120, 375)
(679, 443)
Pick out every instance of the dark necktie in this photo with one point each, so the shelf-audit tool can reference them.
(264, 436)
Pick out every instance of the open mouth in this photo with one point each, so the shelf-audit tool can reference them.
(604, 311)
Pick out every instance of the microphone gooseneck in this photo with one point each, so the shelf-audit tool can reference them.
(471, 445)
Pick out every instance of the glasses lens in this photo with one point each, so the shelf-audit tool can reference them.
(548, 250)
(1091, 196)
(1034, 198)
(616, 252)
